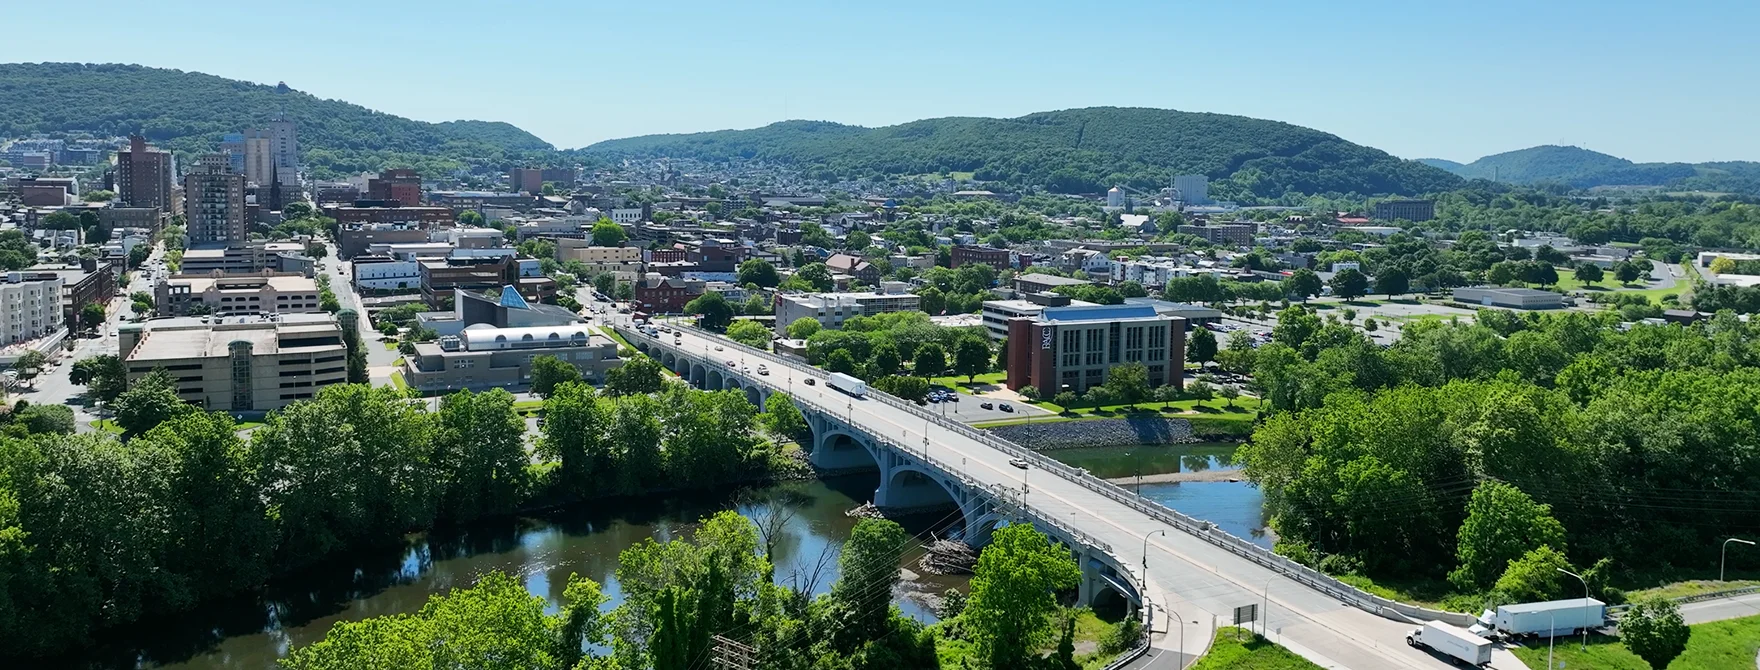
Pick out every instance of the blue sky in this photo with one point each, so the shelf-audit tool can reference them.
(1647, 81)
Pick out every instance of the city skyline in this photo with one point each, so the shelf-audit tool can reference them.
(1466, 82)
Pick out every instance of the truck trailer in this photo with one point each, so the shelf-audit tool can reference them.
(848, 384)
(1546, 619)
(1452, 642)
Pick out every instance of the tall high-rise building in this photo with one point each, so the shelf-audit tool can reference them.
(284, 147)
(259, 157)
(143, 175)
(214, 202)
(232, 144)
(1194, 189)
(404, 186)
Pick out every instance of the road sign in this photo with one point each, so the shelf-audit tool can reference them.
(1246, 613)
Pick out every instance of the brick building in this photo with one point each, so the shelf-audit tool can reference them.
(996, 258)
(1074, 348)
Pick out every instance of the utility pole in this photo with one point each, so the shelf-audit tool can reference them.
(731, 655)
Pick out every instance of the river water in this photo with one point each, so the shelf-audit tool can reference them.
(252, 633)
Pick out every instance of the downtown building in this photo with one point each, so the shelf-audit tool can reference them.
(1073, 348)
(143, 176)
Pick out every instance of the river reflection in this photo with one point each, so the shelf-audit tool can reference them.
(1236, 506)
(542, 551)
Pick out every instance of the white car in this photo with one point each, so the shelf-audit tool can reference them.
(718, 347)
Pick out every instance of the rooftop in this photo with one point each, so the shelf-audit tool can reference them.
(1514, 292)
(1051, 279)
(1098, 313)
(209, 337)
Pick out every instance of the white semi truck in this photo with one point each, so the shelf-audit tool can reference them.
(848, 384)
(1452, 642)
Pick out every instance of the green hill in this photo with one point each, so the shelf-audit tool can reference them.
(1442, 163)
(1070, 151)
(1583, 168)
(189, 111)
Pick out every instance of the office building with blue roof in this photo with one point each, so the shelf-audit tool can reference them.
(1074, 348)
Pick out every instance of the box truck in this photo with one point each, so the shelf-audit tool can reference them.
(1550, 618)
(848, 384)
(1451, 642)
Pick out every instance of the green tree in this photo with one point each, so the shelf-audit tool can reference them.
(574, 433)
(749, 333)
(930, 360)
(91, 315)
(638, 375)
(1393, 281)
(1303, 283)
(1014, 590)
(756, 305)
(103, 376)
(1350, 284)
(907, 387)
(479, 455)
(931, 300)
(223, 535)
(1129, 383)
(549, 371)
(148, 402)
(98, 195)
(43, 419)
(1502, 525)
(713, 310)
(606, 233)
(1653, 630)
(869, 572)
(783, 419)
(760, 272)
(1627, 271)
(886, 360)
(816, 276)
(1534, 577)
(1066, 399)
(803, 328)
(1201, 346)
(625, 292)
(348, 468)
(30, 364)
(841, 361)
(1589, 273)
(605, 283)
(1239, 356)
(971, 357)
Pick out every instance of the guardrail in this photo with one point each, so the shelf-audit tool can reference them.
(1204, 530)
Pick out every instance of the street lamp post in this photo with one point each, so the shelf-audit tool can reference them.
(1725, 557)
(1585, 597)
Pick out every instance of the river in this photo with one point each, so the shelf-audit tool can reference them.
(251, 633)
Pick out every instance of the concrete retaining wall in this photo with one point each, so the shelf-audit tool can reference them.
(1097, 433)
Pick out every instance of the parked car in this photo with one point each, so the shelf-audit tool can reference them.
(1006, 407)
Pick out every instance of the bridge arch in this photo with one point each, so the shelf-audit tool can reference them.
(839, 449)
(714, 380)
(668, 359)
(907, 488)
(754, 396)
(699, 375)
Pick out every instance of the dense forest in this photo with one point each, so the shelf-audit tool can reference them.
(1581, 168)
(1070, 151)
(190, 111)
(1483, 455)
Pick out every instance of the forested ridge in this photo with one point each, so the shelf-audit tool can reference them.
(190, 111)
(1070, 151)
(1582, 168)
(1484, 455)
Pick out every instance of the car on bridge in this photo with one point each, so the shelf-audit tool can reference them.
(1018, 462)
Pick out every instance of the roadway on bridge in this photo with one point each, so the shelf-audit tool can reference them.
(1200, 582)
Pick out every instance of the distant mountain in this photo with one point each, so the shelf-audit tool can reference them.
(1582, 168)
(1445, 164)
(1070, 151)
(189, 111)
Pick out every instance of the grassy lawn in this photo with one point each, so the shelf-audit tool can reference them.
(1216, 408)
(528, 407)
(612, 333)
(1690, 588)
(399, 362)
(1718, 645)
(108, 426)
(390, 345)
(1250, 651)
(397, 380)
(1432, 593)
(978, 382)
(1090, 628)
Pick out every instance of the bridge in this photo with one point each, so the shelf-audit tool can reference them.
(1188, 574)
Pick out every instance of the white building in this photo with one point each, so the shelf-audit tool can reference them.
(30, 306)
(1115, 197)
(832, 309)
(630, 215)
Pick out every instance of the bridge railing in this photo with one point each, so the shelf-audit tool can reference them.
(1204, 530)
